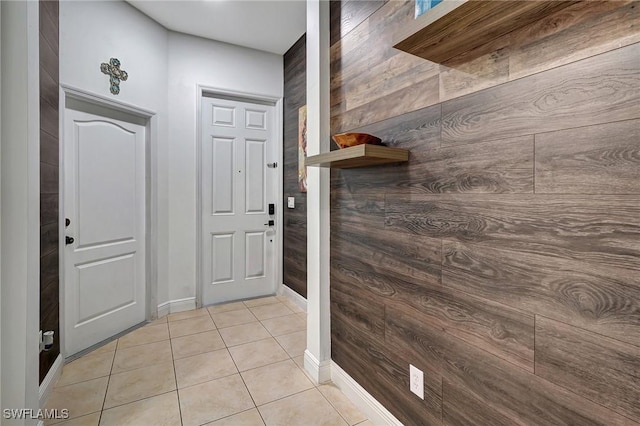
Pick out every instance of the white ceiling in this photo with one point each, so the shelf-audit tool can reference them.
(268, 25)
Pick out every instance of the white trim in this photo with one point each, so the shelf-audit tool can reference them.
(201, 91)
(318, 179)
(46, 387)
(294, 297)
(320, 371)
(178, 305)
(20, 210)
(95, 98)
(362, 399)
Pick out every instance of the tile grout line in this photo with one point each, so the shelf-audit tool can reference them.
(175, 377)
(106, 391)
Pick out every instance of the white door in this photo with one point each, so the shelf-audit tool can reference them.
(104, 199)
(238, 244)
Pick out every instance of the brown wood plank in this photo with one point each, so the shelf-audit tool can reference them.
(584, 228)
(358, 156)
(49, 149)
(295, 220)
(48, 238)
(347, 15)
(456, 28)
(582, 30)
(470, 168)
(49, 118)
(497, 328)
(389, 382)
(589, 295)
(596, 90)
(511, 392)
(365, 314)
(362, 209)
(601, 369)
(414, 259)
(460, 407)
(48, 208)
(49, 179)
(602, 159)
(410, 98)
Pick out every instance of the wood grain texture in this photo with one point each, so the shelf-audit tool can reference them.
(601, 369)
(603, 159)
(49, 178)
(295, 220)
(358, 156)
(457, 28)
(355, 352)
(568, 226)
(589, 295)
(345, 16)
(580, 31)
(459, 247)
(473, 168)
(500, 387)
(596, 90)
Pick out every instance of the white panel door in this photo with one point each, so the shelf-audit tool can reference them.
(104, 199)
(238, 244)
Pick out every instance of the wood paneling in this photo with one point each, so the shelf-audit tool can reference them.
(507, 393)
(295, 220)
(603, 159)
(601, 369)
(345, 16)
(580, 31)
(505, 254)
(49, 179)
(585, 294)
(458, 28)
(571, 226)
(596, 90)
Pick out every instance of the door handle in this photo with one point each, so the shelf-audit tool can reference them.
(68, 240)
(270, 223)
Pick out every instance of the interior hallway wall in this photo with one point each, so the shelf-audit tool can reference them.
(92, 32)
(164, 70)
(194, 61)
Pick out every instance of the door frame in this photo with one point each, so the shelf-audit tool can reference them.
(209, 92)
(150, 118)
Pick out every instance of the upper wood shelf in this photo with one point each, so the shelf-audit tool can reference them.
(358, 156)
(457, 27)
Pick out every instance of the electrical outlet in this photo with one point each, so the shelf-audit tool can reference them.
(416, 381)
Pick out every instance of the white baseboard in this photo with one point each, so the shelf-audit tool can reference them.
(320, 372)
(46, 387)
(299, 301)
(178, 305)
(362, 399)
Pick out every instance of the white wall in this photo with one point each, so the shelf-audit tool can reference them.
(195, 61)
(20, 214)
(91, 32)
(164, 70)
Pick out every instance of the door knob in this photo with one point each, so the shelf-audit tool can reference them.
(270, 223)
(68, 240)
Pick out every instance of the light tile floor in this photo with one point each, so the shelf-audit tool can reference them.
(234, 364)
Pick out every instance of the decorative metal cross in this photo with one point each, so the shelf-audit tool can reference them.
(112, 69)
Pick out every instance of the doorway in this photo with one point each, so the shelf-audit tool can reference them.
(105, 229)
(239, 232)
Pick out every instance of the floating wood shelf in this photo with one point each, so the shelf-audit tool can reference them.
(359, 156)
(457, 27)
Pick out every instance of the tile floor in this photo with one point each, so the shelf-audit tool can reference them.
(234, 364)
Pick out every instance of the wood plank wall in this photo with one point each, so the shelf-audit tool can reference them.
(504, 259)
(49, 185)
(295, 220)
